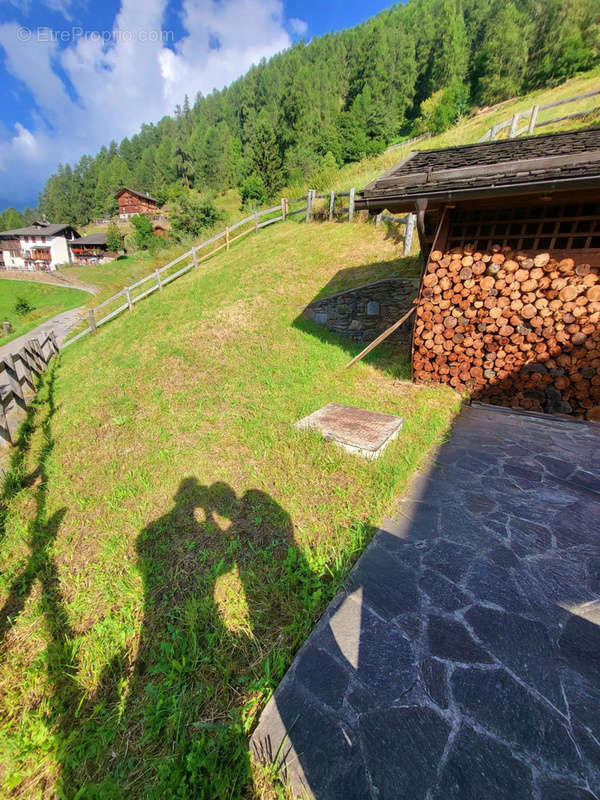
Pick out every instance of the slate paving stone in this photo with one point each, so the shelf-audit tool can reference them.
(458, 662)
(373, 651)
(433, 674)
(500, 704)
(562, 790)
(449, 639)
(495, 584)
(402, 749)
(523, 645)
(322, 675)
(389, 587)
(579, 648)
(442, 592)
(450, 558)
(479, 768)
(502, 556)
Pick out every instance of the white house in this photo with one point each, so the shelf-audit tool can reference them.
(41, 246)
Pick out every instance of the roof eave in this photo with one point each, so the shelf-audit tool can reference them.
(403, 202)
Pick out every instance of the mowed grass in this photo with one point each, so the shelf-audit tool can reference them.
(45, 301)
(169, 538)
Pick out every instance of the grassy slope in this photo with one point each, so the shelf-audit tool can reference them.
(192, 396)
(46, 301)
(169, 537)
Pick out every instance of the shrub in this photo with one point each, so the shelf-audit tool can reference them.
(190, 215)
(143, 235)
(253, 190)
(114, 239)
(23, 306)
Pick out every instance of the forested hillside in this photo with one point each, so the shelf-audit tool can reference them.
(312, 108)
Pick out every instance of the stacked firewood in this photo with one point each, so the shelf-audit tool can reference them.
(511, 329)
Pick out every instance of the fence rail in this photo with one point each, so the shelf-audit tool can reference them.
(531, 115)
(130, 295)
(18, 373)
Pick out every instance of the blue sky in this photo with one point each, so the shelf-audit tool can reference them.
(75, 74)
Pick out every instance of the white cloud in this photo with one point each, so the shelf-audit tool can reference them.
(298, 26)
(92, 91)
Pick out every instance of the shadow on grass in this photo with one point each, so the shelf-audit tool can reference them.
(228, 598)
(394, 360)
(42, 529)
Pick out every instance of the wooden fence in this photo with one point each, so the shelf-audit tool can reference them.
(531, 115)
(18, 374)
(157, 280)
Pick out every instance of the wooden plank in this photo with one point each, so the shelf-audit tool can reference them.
(331, 205)
(408, 233)
(576, 115)
(158, 280)
(381, 338)
(92, 320)
(128, 298)
(533, 119)
(14, 382)
(5, 434)
(351, 206)
(22, 357)
(591, 93)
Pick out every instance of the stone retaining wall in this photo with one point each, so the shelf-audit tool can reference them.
(366, 311)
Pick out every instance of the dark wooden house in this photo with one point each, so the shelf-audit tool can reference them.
(91, 249)
(509, 303)
(132, 202)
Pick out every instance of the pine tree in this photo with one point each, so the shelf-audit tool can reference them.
(265, 155)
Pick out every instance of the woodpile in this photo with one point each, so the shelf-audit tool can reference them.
(511, 329)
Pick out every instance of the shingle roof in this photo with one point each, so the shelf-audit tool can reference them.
(492, 168)
(91, 239)
(137, 194)
(41, 229)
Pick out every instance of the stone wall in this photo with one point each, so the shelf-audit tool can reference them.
(511, 329)
(366, 311)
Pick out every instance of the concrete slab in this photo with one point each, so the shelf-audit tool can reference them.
(462, 659)
(366, 433)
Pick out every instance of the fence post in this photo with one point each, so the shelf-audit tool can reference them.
(92, 320)
(4, 429)
(408, 233)
(158, 280)
(309, 198)
(54, 342)
(513, 126)
(533, 119)
(283, 209)
(256, 220)
(128, 297)
(227, 237)
(331, 205)
(351, 204)
(194, 257)
(378, 220)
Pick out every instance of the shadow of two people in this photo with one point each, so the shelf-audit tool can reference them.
(224, 586)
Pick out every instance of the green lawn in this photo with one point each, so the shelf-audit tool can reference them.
(169, 538)
(45, 301)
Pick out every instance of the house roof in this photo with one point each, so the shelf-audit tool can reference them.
(523, 165)
(40, 229)
(92, 239)
(143, 195)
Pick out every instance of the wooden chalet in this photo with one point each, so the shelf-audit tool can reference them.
(509, 303)
(132, 202)
(91, 249)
